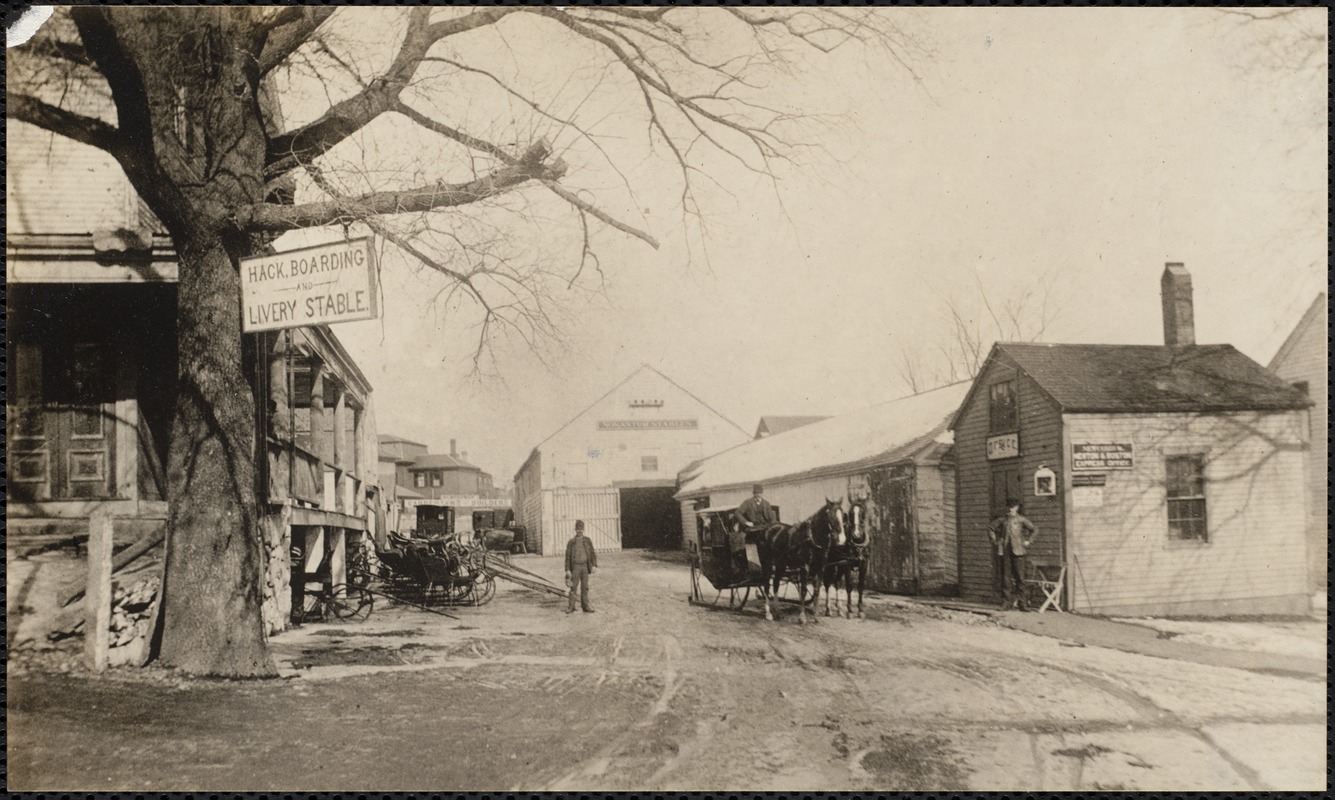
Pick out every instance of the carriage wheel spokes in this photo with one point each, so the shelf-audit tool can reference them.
(484, 588)
(352, 603)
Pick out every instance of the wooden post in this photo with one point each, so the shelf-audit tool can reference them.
(341, 449)
(97, 596)
(319, 444)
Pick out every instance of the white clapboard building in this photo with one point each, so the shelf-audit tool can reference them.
(615, 466)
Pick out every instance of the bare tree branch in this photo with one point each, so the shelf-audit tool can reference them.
(87, 130)
(532, 166)
(308, 142)
(287, 30)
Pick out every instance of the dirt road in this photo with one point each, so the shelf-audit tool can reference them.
(649, 693)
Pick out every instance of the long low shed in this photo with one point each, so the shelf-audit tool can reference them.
(897, 456)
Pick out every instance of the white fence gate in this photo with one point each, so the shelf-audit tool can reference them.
(600, 508)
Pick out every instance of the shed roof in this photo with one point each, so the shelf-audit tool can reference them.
(1151, 378)
(441, 461)
(389, 438)
(912, 427)
(773, 425)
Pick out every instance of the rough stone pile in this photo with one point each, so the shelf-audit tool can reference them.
(131, 612)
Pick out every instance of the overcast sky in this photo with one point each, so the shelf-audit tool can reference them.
(1073, 149)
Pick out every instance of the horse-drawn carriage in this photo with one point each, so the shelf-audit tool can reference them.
(825, 549)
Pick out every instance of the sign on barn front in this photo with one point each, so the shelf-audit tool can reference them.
(317, 285)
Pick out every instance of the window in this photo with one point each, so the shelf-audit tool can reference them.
(1003, 414)
(1186, 498)
(648, 463)
(435, 479)
(419, 480)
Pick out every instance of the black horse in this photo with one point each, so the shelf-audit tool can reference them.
(845, 557)
(803, 549)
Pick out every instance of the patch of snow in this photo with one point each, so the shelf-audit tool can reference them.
(1304, 639)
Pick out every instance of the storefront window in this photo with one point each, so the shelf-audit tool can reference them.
(1003, 413)
(1186, 498)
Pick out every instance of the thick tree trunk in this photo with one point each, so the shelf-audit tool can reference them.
(212, 622)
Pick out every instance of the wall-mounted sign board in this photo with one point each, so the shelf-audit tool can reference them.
(317, 285)
(1100, 456)
(1005, 445)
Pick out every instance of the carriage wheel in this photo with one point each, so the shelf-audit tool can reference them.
(350, 602)
(484, 588)
(360, 570)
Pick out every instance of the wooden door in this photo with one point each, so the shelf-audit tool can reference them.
(1005, 486)
(64, 425)
(898, 520)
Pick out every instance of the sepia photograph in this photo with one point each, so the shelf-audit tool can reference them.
(611, 398)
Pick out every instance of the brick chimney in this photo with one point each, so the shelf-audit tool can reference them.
(1179, 326)
(453, 452)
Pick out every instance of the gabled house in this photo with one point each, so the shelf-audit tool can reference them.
(1165, 479)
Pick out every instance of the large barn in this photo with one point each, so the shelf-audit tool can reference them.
(1165, 479)
(615, 466)
(896, 456)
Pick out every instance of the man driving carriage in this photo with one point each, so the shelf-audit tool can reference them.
(753, 515)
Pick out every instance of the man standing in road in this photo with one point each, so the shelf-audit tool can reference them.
(755, 514)
(581, 561)
(1011, 535)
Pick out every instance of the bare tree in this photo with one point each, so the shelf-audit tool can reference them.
(189, 102)
(971, 324)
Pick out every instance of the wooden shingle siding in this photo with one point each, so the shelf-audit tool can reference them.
(1122, 557)
(1040, 444)
(63, 187)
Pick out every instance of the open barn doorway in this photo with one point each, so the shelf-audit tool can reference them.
(650, 518)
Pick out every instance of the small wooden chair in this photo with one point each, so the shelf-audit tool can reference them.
(1051, 580)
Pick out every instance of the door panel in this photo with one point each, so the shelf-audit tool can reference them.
(29, 446)
(63, 425)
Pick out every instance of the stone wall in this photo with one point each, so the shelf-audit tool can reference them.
(277, 570)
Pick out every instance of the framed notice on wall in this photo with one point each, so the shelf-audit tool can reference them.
(1100, 456)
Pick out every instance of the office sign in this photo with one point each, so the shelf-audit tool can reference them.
(1089, 480)
(1006, 445)
(317, 285)
(647, 424)
(1100, 456)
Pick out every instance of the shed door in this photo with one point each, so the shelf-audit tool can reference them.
(899, 524)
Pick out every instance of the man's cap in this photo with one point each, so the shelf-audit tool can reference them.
(579, 524)
(757, 489)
